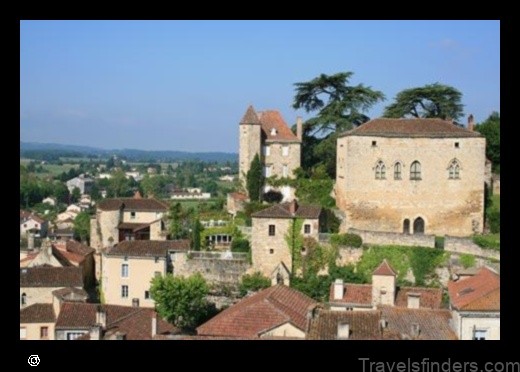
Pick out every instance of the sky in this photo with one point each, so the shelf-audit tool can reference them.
(185, 85)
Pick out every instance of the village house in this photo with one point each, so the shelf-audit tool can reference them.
(129, 266)
(412, 176)
(267, 134)
(271, 254)
(277, 312)
(189, 193)
(475, 305)
(37, 322)
(84, 184)
(235, 202)
(30, 222)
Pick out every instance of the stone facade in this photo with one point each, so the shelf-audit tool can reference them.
(375, 190)
(465, 324)
(466, 246)
(386, 238)
(33, 331)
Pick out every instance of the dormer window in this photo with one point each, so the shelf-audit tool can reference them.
(274, 132)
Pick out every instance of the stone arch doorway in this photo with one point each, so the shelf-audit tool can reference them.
(406, 226)
(418, 226)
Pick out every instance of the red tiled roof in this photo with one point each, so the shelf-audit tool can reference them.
(428, 297)
(260, 313)
(132, 204)
(384, 269)
(354, 294)
(282, 211)
(272, 119)
(363, 325)
(25, 215)
(238, 196)
(433, 324)
(51, 277)
(250, 117)
(387, 127)
(478, 293)
(134, 322)
(71, 294)
(148, 248)
(37, 313)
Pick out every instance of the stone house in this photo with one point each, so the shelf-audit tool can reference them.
(267, 134)
(37, 322)
(30, 222)
(235, 202)
(269, 248)
(277, 312)
(84, 184)
(128, 268)
(412, 176)
(475, 305)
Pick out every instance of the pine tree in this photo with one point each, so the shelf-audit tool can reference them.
(255, 179)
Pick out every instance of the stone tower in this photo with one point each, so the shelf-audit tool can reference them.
(250, 138)
(383, 285)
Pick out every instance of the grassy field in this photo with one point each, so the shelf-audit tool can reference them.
(51, 170)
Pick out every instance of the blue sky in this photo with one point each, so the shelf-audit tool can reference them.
(184, 85)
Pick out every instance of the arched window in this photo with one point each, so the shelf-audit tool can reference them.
(454, 170)
(23, 299)
(406, 226)
(418, 226)
(397, 171)
(380, 170)
(415, 171)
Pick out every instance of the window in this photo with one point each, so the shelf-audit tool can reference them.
(273, 131)
(285, 150)
(406, 226)
(44, 332)
(271, 251)
(36, 225)
(156, 259)
(380, 171)
(24, 225)
(146, 295)
(454, 170)
(267, 171)
(124, 291)
(480, 334)
(285, 170)
(415, 171)
(125, 258)
(397, 171)
(374, 143)
(74, 335)
(135, 302)
(124, 270)
(456, 145)
(307, 228)
(23, 333)
(132, 215)
(272, 230)
(266, 150)
(23, 299)
(418, 226)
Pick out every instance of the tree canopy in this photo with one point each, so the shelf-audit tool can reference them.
(255, 179)
(82, 227)
(338, 106)
(490, 128)
(430, 101)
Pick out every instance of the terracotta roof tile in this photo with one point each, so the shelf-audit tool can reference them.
(386, 127)
(250, 117)
(354, 294)
(384, 269)
(480, 292)
(428, 297)
(272, 119)
(37, 313)
(282, 211)
(259, 313)
(433, 324)
(71, 294)
(132, 204)
(51, 277)
(148, 248)
(363, 325)
(25, 215)
(238, 196)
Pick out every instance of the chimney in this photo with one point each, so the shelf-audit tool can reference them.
(416, 330)
(471, 122)
(343, 330)
(101, 317)
(154, 324)
(299, 128)
(383, 323)
(293, 207)
(137, 195)
(95, 333)
(338, 289)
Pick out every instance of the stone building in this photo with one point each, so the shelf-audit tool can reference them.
(271, 255)
(411, 176)
(267, 134)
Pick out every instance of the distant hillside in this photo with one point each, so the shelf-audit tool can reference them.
(39, 150)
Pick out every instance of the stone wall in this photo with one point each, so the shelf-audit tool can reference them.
(447, 206)
(388, 238)
(249, 145)
(276, 158)
(214, 270)
(466, 246)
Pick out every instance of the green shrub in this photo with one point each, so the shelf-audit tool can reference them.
(467, 260)
(350, 240)
(439, 242)
(494, 221)
(491, 241)
(253, 282)
(240, 245)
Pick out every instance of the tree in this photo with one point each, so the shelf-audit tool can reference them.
(253, 282)
(76, 195)
(195, 235)
(255, 179)
(82, 227)
(182, 301)
(175, 216)
(118, 185)
(430, 101)
(490, 129)
(339, 107)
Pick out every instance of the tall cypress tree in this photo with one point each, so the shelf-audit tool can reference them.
(255, 179)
